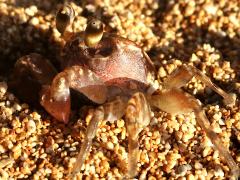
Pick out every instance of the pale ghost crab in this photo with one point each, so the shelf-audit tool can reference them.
(116, 74)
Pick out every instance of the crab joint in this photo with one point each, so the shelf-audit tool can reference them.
(93, 32)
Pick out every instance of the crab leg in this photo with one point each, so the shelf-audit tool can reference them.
(137, 117)
(205, 125)
(90, 134)
(184, 74)
(56, 98)
(110, 111)
(175, 101)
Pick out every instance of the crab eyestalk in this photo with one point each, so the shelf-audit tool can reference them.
(64, 18)
(93, 32)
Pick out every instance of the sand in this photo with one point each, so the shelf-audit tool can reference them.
(204, 33)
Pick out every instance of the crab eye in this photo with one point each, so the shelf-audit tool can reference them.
(93, 32)
(64, 17)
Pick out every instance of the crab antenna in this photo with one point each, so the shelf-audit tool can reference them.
(93, 32)
(64, 18)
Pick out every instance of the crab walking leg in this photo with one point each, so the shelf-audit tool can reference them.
(137, 117)
(110, 111)
(175, 101)
(184, 74)
(89, 135)
(205, 125)
(56, 98)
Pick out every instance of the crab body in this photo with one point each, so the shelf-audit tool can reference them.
(114, 67)
(116, 61)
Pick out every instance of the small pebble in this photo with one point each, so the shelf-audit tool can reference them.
(198, 165)
(110, 145)
(31, 126)
(6, 162)
(120, 123)
(219, 172)
(182, 170)
(3, 88)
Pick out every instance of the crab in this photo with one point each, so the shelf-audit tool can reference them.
(118, 75)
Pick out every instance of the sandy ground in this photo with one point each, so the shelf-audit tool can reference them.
(203, 33)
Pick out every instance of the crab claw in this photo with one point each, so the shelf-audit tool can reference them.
(56, 97)
(59, 109)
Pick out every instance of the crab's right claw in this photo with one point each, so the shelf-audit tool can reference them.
(59, 109)
(56, 98)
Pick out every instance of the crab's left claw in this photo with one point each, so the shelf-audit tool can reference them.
(56, 98)
(29, 74)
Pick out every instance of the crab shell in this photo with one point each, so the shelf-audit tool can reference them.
(112, 59)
